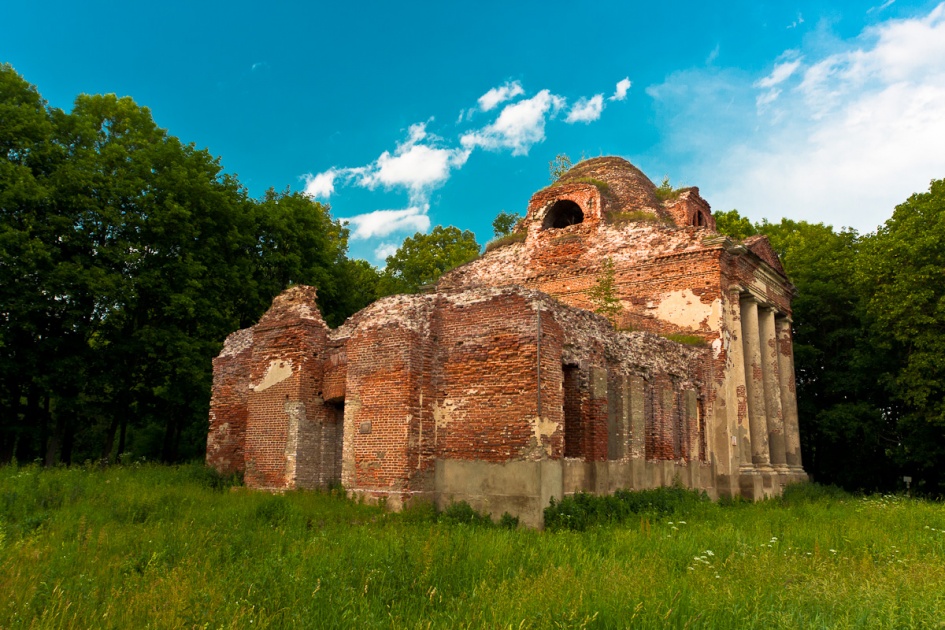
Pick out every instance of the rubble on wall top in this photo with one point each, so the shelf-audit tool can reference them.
(409, 311)
(297, 301)
(236, 342)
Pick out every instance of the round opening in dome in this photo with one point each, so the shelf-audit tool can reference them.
(562, 214)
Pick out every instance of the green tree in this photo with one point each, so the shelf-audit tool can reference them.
(846, 430)
(423, 258)
(734, 225)
(504, 223)
(603, 295)
(901, 275)
(127, 257)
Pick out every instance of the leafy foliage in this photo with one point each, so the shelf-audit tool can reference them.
(127, 257)
(504, 223)
(559, 166)
(900, 274)
(582, 510)
(423, 258)
(688, 340)
(665, 190)
(603, 295)
(732, 224)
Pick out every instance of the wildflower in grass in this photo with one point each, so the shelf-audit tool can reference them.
(708, 552)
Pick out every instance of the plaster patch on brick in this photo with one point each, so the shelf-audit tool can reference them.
(296, 414)
(443, 413)
(277, 372)
(685, 309)
(544, 429)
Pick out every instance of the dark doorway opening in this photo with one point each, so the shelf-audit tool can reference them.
(562, 214)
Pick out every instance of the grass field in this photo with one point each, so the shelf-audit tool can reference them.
(162, 547)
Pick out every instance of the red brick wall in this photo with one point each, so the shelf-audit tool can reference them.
(486, 378)
(384, 370)
(228, 410)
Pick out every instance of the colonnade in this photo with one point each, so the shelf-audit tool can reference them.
(763, 366)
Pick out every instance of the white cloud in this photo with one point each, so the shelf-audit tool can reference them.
(499, 95)
(586, 110)
(382, 251)
(417, 167)
(623, 85)
(780, 74)
(851, 134)
(797, 22)
(423, 161)
(519, 126)
(381, 223)
(320, 186)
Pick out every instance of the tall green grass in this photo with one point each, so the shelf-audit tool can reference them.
(152, 546)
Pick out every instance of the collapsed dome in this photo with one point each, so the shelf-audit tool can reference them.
(562, 214)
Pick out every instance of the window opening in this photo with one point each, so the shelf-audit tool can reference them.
(562, 214)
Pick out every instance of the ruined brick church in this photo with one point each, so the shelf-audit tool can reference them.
(502, 388)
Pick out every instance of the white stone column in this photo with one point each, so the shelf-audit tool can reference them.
(772, 389)
(738, 437)
(792, 434)
(754, 384)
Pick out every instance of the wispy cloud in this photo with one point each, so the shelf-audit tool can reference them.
(500, 94)
(712, 55)
(423, 162)
(880, 7)
(381, 223)
(847, 136)
(586, 110)
(769, 84)
(797, 22)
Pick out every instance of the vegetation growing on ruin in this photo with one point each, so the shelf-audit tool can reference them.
(603, 295)
(504, 223)
(153, 546)
(665, 191)
(557, 167)
(689, 340)
(508, 239)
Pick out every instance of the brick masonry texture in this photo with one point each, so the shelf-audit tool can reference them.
(505, 362)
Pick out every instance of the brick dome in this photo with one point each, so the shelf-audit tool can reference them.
(629, 188)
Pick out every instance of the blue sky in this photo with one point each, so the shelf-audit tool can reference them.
(403, 116)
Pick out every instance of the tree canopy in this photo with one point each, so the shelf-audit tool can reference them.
(127, 256)
(423, 258)
(869, 319)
